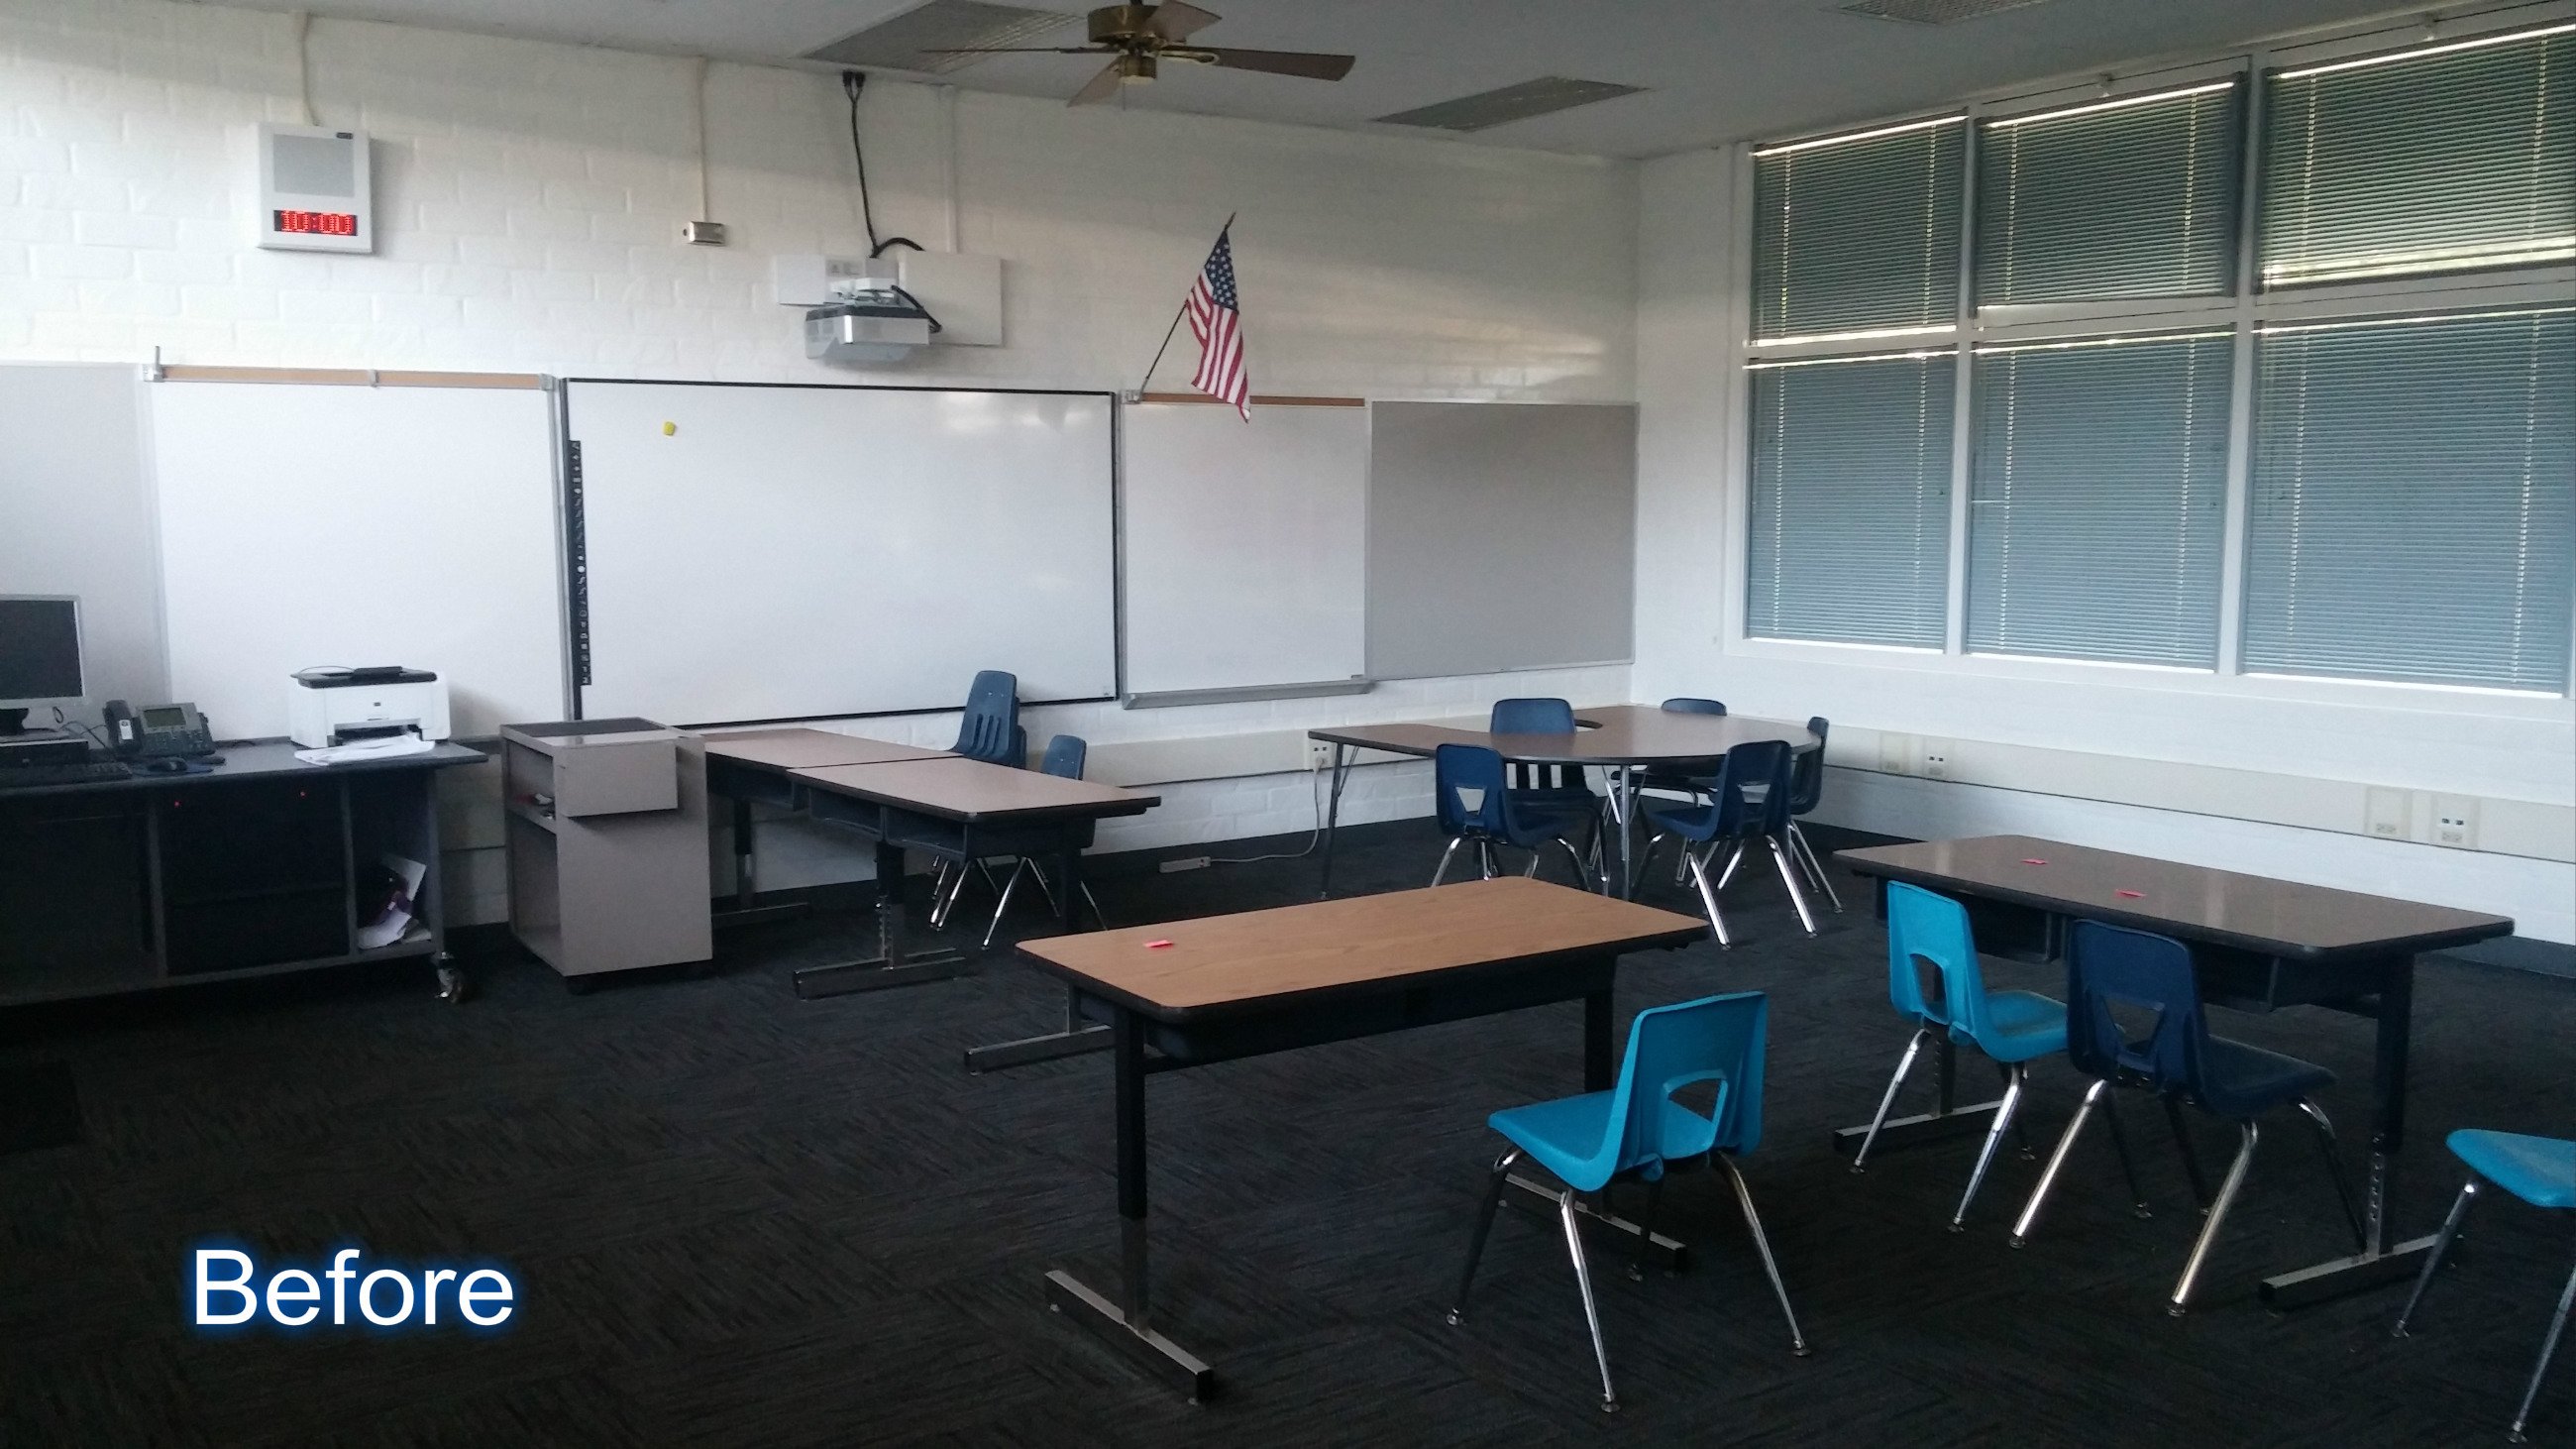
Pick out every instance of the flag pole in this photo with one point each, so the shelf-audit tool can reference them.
(1176, 314)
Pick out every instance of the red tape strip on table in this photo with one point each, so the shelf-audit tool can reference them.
(1157, 945)
(2131, 895)
(2032, 860)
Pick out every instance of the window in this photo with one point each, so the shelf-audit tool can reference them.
(2413, 513)
(1859, 235)
(2135, 197)
(2097, 499)
(1850, 517)
(2439, 159)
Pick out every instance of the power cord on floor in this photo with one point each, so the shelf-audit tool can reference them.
(1315, 792)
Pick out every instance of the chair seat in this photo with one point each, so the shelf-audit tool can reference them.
(2539, 1170)
(1542, 821)
(1565, 1135)
(2238, 1080)
(1696, 822)
(2022, 1026)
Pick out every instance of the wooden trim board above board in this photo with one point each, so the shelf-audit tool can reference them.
(353, 377)
(1259, 400)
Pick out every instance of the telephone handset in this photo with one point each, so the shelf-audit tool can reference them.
(157, 732)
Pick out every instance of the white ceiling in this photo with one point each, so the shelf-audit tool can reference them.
(1714, 70)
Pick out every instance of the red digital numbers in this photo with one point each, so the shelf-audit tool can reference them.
(317, 223)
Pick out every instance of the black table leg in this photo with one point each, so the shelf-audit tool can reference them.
(745, 912)
(891, 966)
(1077, 1037)
(1130, 1329)
(2379, 1262)
(1332, 819)
(1946, 1120)
(1600, 1074)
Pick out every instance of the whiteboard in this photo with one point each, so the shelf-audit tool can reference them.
(308, 524)
(772, 551)
(1247, 546)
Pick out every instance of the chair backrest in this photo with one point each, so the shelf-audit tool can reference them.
(1684, 704)
(1754, 763)
(1532, 717)
(1467, 794)
(1807, 771)
(991, 730)
(2110, 967)
(1713, 1039)
(1064, 756)
(1932, 969)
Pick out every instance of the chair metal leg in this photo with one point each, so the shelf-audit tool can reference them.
(1535, 856)
(1093, 901)
(1646, 1231)
(2227, 1190)
(1582, 873)
(1815, 868)
(1732, 861)
(2017, 1078)
(1046, 887)
(2190, 1159)
(1485, 858)
(2548, 1350)
(2128, 1166)
(1452, 849)
(2334, 1172)
(1708, 898)
(942, 908)
(1484, 1225)
(2056, 1161)
(1591, 1310)
(1887, 1099)
(1789, 878)
(2441, 1244)
(1762, 1245)
(1004, 904)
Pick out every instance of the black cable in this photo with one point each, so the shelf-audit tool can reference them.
(851, 82)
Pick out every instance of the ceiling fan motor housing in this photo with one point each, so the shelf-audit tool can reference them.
(1122, 25)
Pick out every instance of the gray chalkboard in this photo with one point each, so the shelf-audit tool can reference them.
(1500, 536)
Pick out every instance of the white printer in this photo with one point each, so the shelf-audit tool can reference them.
(326, 707)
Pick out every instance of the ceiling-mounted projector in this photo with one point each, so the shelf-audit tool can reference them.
(870, 319)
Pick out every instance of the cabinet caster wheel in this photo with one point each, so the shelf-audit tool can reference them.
(452, 986)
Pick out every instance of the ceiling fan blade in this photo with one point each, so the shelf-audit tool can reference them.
(1310, 64)
(1176, 21)
(1018, 50)
(1101, 88)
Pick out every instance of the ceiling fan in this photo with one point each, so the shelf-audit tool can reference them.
(1138, 38)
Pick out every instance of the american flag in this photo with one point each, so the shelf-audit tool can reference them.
(1216, 320)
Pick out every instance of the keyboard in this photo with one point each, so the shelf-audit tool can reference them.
(28, 777)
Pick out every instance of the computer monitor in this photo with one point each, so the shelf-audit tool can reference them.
(40, 655)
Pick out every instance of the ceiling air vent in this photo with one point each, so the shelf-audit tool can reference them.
(1932, 12)
(1511, 103)
(903, 42)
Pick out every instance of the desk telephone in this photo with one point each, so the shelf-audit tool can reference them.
(159, 732)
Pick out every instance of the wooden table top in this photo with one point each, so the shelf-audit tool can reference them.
(801, 749)
(2277, 917)
(954, 788)
(1242, 961)
(1616, 734)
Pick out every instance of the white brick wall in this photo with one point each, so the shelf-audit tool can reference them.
(529, 198)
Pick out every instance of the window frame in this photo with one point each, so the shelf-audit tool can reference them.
(2244, 312)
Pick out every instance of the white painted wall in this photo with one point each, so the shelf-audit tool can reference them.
(1689, 496)
(529, 198)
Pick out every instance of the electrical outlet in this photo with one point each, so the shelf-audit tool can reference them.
(1319, 755)
(1936, 759)
(2388, 814)
(2455, 821)
(1896, 754)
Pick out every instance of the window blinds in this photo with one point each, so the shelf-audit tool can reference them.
(2413, 505)
(1859, 234)
(2442, 159)
(1850, 507)
(2097, 499)
(2129, 198)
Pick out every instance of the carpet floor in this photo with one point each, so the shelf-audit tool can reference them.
(739, 1218)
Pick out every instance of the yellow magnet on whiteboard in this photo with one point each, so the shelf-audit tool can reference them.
(670, 430)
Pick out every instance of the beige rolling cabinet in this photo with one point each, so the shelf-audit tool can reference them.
(608, 845)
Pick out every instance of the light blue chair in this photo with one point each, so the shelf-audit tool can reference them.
(1933, 977)
(1634, 1131)
(2542, 1172)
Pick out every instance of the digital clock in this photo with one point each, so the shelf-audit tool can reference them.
(315, 223)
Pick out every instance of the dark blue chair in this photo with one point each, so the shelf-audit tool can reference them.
(1471, 797)
(1684, 779)
(1537, 784)
(2114, 973)
(1806, 792)
(2542, 1172)
(1933, 978)
(989, 731)
(1065, 756)
(1636, 1131)
(1748, 800)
